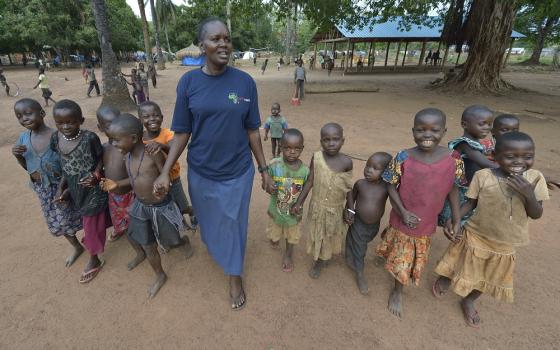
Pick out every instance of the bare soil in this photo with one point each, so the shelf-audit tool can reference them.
(44, 307)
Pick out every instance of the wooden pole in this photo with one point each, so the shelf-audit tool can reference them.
(352, 59)
(397, 58)
(347, 54)
(422, 53)
(373, 63)
(387, 53)
(405, 49)
(314, 56)
(369, 53)
(509, 51)
(458, 56)
(445, 56)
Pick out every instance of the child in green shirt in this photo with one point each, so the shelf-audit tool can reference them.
(289, 175)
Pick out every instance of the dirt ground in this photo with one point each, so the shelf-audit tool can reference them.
(44, 307)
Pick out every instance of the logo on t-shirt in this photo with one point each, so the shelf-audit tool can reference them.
(236, 99)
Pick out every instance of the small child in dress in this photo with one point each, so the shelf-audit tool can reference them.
(482, 258)
(476, 122)
(158, 139)
(420, 179)
(81, 155)
(330, 176)
(276, 124)
(365, 205)
(289, 175)
(155, 220)
(116, 181)
(34, 154)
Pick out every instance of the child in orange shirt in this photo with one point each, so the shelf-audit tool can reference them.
(158, 139)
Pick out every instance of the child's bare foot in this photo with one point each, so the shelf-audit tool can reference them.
(136, 261)
(274, 245)
(469, 312)
(287, 264)
(71, 259)
(395, 303)
(315, 271)
(362, 283)
(441, 286)
(187, 247)
(158, 283)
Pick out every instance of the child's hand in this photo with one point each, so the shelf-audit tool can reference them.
(520, 185)
(348, 217)
(410, 219)
(159, 191)
(296, 210)
(453, 232)
(62, 197)
(153, 147)
(553, 184)
(108, 185)
(88, 181)
(19, 150)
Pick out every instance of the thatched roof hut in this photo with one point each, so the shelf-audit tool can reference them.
(191, 51)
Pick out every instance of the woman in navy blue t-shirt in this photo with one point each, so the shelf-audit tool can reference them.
(217, 109)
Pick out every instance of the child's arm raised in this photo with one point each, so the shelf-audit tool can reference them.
(18, 150)
(476, 156)
(519, 184)
(298, 205)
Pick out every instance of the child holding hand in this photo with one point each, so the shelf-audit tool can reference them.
(365, 205)
(419, 181)
(289, 175)
(481, 259)
(330, 176)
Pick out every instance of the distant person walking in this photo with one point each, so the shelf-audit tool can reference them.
(92, 80)
(299, 79)
(43, 83)
(428, 57)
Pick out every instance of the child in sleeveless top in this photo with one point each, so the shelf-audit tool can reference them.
(420, 179)
(331, 179)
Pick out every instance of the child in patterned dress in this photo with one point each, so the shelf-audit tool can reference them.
(420, 179)
(34, 154)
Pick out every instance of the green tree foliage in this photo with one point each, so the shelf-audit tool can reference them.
(540, 21)
(69, 25)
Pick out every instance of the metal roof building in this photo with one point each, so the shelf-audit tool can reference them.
(387, 32)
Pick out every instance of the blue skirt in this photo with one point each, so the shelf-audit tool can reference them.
(222, 210)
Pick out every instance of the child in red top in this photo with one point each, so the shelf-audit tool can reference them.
(420, 179)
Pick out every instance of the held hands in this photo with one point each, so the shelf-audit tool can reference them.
(88, 181)
(108, 185)
(520, 185)
(153, 147)
(296, 209)
(19, 150)
(410, 219)
(453, 232)
(61, 196)
(348, 217)
(267, 183)
(161, 186)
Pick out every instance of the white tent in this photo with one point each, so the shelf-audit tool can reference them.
(249, 55)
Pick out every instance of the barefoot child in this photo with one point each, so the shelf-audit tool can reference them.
(420, 179)
(476, 122)
(154, 220)
(158, 139)
(330, 176)
(276, 124)
(365, 206)
(115, 181)
(33, 153)
(43, 83)
(81, 154)
(482, 259)
(289, 175)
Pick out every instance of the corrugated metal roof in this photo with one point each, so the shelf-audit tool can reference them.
(390, 29)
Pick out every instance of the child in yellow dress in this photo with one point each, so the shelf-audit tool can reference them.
(331, 179)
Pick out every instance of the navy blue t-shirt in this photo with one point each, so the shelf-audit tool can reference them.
(217, 110)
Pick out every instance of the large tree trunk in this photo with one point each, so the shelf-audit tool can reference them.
(544, 31)
(145, 33)
(115, 90)
(160, 60)
(488, 31)
(167, 39)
